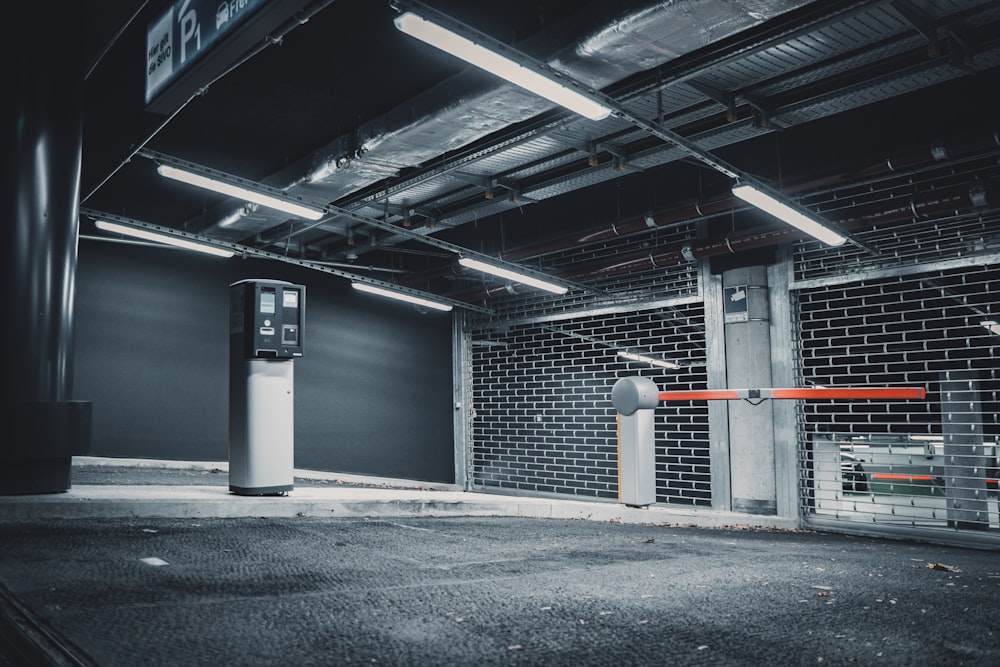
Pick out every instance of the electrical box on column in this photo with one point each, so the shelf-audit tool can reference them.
(265, 336)
(635, 399)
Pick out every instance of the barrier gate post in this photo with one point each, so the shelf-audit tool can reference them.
(635, 399)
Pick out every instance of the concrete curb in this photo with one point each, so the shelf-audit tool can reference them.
(372, 498)
(207, 502)
(300, 473)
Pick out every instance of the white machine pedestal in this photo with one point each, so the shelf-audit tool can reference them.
(261, 426)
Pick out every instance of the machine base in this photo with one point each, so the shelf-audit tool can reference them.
(262, 490)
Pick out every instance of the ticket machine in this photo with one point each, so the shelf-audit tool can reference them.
(265, 336)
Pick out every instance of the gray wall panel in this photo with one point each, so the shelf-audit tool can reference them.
(373, 391)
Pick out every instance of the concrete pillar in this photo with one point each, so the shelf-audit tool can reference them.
(748, 365)
(42, 135)
(965, 460)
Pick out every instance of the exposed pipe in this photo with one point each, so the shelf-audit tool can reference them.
(961, 146)
(941, 203)
(955, 200)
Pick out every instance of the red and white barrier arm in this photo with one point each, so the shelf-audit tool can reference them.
(806, 393)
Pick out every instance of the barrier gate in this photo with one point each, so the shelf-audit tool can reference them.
(636, 398)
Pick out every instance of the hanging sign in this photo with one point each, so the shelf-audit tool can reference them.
(193, 42)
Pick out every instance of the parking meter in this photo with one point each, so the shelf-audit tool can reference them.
(265, 336)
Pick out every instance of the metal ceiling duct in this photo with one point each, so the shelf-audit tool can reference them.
(472, 105)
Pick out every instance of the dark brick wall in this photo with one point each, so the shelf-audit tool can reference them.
(542, 395)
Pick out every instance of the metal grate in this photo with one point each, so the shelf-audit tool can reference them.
(638, 281)
(543, 415)
(915, 217)
(928, 466)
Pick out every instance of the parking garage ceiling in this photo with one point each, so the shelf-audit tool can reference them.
(868, 113)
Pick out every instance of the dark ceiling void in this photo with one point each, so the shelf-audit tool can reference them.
(869, 114)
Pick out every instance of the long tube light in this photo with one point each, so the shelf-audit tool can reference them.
(401, 296)
(502, 66)
(754, 195)
(648, 360)
(162, 238)
(476, 265)
(224, 188)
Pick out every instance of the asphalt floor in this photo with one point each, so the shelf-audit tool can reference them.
(140, 565)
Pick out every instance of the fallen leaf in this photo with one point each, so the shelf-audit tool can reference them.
(154, 561)
(942, 567)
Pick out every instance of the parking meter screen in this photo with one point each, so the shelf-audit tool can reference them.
(267, 302)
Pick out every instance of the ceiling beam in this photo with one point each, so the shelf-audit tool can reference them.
(249, 251)
(333, 210)
(618, 110)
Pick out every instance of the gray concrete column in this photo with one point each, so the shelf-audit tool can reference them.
(748, 365)
(461, 382)
(718, 412)
(42, 135)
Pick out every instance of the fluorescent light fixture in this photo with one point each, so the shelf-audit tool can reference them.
(992, 326)
(512, 275)
(649, 360)
(491, 61)
(783, 211)
(401, 296)
(138, 232)
(224, 188)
